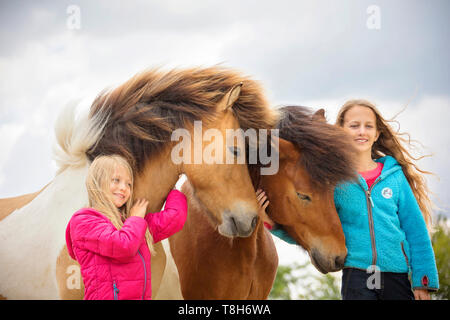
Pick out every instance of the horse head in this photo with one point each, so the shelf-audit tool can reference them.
(314, 157)
(221, 184)
(169, 123)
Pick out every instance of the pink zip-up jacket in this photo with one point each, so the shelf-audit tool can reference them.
(115, 264)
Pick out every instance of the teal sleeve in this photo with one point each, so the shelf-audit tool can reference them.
(282, 234)
(423, 263)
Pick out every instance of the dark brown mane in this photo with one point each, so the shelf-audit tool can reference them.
(144, 111)
(327, 152)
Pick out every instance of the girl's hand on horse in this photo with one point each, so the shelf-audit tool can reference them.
(139, 208)
(261, 198)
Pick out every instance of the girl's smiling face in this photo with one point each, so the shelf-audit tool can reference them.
(360, 123)
(120, 186)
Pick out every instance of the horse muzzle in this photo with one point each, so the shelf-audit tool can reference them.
(328, 263)
(237, 225)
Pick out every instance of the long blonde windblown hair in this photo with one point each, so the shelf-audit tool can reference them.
(98, 182)
(391, 142)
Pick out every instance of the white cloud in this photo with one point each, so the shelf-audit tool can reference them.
(9, 133)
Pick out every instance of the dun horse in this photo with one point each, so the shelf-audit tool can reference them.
(134, 120)
(313, 157)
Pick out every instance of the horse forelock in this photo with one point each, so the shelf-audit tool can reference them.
(327, 153)
(145, 110)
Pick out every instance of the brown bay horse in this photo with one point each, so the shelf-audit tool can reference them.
(313, 157)
(135, 120)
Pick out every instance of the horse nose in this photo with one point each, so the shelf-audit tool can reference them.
(242, 227)
(240, 221)
(325, 263)
(339, 262)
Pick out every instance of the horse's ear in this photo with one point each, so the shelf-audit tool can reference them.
(230, 97)
(319, 115)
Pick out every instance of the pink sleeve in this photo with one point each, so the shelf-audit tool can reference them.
(97, 234)
(171, 220)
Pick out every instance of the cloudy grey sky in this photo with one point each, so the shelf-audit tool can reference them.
(314, 53)
(317, 53)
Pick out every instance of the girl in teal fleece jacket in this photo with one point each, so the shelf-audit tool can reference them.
(383, 218)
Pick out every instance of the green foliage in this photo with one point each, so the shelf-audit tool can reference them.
(313, 287)
(328, 288)
(280, 289)
(441, 246)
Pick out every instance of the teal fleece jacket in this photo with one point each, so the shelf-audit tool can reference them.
(383, 226)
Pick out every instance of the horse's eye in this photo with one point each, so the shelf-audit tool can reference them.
(235, 150)
(303, 197)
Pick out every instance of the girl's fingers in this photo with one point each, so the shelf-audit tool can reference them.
(141, 202)
(261, 201)
(258, 197)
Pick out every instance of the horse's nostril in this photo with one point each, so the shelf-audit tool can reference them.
(234, 225)
(339, 262)
(254, 221)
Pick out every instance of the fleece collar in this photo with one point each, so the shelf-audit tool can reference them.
(390, 165)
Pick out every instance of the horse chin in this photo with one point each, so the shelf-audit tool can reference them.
(227, 231)
(319, 262)
(318, 266)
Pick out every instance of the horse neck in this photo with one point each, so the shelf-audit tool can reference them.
(157, 178)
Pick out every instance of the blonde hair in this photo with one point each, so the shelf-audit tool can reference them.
(98, 182)
(392, 143)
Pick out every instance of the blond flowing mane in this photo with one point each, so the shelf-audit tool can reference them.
(143, 111)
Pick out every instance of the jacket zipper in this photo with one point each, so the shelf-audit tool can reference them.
(145, 274)
(370, 205)
(116, 291)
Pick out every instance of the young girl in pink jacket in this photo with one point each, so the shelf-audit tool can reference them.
(112, 240)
